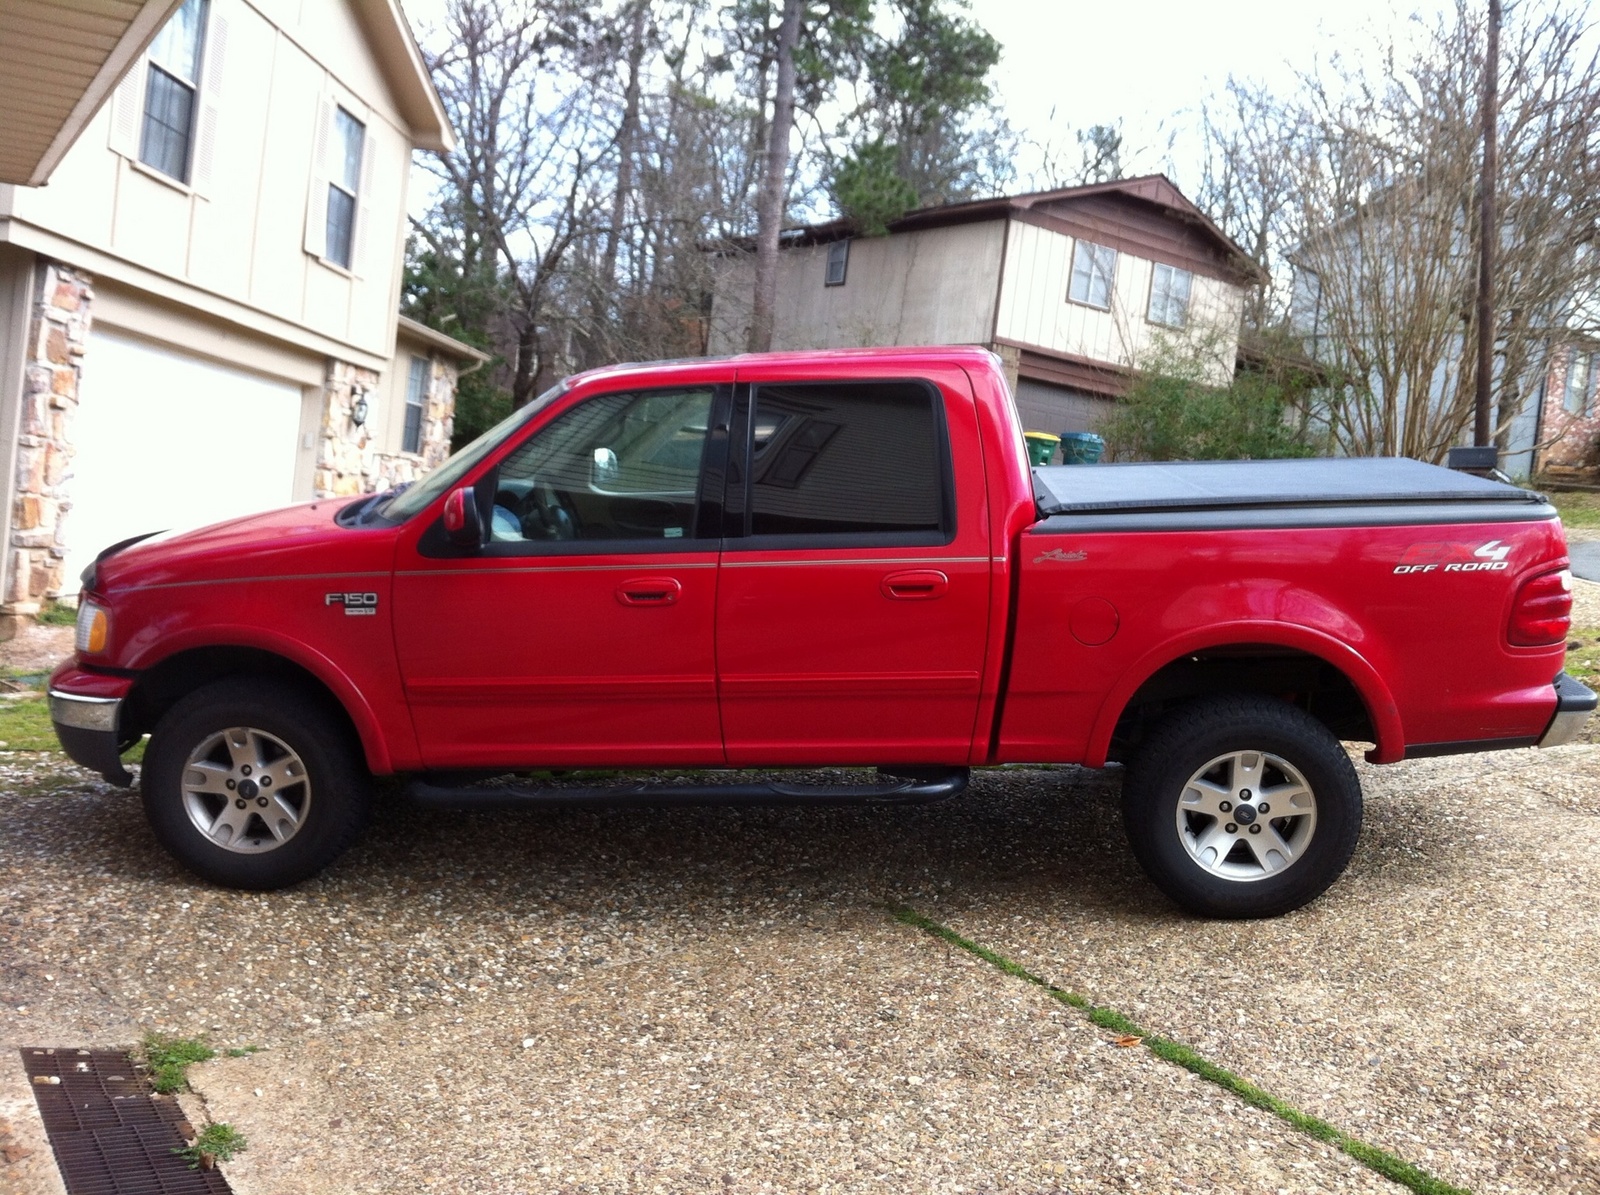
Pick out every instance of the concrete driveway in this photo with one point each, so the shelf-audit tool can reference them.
(721, 1000)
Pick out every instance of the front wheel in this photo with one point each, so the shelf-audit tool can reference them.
(252, 783)
(1242, 807)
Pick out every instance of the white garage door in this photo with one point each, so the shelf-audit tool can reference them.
(168, 440)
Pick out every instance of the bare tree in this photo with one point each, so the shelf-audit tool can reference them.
(520, 180)
(1365, 183)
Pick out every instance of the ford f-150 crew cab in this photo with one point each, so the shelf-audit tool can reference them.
(838, 558)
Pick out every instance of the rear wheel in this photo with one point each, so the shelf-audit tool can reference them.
(254, 783)
(1242, 807)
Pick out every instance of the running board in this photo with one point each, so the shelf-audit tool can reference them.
(898, 786)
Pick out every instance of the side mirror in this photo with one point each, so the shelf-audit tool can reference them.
(605, 466)
(463, 525)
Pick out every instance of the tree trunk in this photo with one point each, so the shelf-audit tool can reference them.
(774, 182)
(627, 136)
(525, 377)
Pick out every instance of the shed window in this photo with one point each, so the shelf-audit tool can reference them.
(169, 96)
(838, 260)
(416, 399)
(1169, 296)
(1093, 267)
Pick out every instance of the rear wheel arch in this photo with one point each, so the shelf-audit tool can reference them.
(1316, 673)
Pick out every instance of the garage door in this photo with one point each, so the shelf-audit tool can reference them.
(165, 439)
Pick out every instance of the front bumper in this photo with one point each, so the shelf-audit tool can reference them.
(1574, 703)
(87, 711)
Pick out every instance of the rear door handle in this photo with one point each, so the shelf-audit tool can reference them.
(914, 585)
(649, 591)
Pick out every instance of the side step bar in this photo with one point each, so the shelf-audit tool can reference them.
(896, 786)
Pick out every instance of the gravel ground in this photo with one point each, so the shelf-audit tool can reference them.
(718, 999)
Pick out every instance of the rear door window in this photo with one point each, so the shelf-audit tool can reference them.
(854, 463)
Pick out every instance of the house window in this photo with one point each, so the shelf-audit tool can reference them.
(416, 398)
(1169, 296)
(838, 259)
(170, 90)
(1575, 400)
(1092, 269)
(349, 138)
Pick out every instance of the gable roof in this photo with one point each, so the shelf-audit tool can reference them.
(1153, 193)
(61, 60)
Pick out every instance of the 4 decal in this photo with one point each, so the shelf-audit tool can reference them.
(1447, 557)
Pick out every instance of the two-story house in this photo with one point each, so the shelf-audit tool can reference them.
(199, 310)
(1069, 287)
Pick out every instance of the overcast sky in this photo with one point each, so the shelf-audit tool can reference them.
(1150, 63)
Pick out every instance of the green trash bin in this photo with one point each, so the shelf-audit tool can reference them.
(1081, 448)
(1041, 447)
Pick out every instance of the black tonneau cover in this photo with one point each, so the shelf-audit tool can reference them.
(1278, 485)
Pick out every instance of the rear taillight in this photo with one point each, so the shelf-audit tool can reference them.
(1542, 613)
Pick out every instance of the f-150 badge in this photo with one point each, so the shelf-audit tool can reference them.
(1454, 558)
(353, 603)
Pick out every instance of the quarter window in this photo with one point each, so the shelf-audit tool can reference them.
(167, 133)
(854, 459)
(618, 467)
(1093, 267)
(1169, 296)
(416, 398)
(344, 182)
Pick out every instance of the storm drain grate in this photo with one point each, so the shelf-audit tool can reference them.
(111, 1133)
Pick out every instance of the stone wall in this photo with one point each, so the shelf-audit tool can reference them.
(1569, 439)
(58, 334)
(349, 460)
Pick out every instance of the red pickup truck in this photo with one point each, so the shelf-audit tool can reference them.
(834, 559)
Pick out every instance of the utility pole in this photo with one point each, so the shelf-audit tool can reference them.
(1488, 233)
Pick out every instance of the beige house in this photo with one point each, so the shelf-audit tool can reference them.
(1070, 287)
(198, 310)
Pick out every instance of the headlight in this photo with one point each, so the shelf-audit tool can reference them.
(94, 628)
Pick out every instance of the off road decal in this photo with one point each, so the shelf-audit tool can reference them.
(353, 603)
(1454, 558)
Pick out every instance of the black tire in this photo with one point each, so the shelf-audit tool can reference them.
(1194, 856)
(319, 807)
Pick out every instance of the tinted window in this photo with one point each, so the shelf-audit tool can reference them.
(618, 466)
(858, 458)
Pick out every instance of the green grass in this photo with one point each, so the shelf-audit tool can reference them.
(170, 1059)
(220, 1140)
(1391, 1166)
(1578, 509)
(57, 614)
(1583, 660)
(25, 725)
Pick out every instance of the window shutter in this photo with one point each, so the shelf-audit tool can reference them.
(363, 242)
(317, 198)
(127, 102)
(215, 50)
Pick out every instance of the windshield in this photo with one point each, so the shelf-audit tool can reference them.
(414, 498)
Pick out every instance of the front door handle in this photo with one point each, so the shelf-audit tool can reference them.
(914, 585)
(649, 591)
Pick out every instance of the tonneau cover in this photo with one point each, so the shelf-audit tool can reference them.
(1223, 485)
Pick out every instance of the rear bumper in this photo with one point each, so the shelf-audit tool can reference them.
(1574, 703)
(86, 708)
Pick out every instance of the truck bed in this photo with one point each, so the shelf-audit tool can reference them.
(1152, 495)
